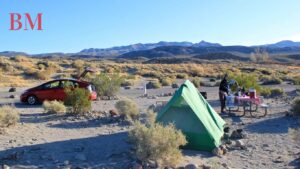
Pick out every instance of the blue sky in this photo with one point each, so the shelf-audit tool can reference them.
(72, 25)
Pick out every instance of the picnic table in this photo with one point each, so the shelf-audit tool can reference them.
(248, 104)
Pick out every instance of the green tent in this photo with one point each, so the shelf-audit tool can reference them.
(193, 115)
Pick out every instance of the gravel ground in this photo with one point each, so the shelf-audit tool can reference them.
(47, 141)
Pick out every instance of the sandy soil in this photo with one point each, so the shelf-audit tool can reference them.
(47, 141)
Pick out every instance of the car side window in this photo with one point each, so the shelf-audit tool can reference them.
(67, 84)
(51, 85)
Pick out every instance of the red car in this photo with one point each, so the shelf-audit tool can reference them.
(54, 90)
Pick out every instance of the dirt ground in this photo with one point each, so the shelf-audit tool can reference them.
(48, 141)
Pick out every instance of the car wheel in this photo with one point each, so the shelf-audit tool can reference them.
(31, 100)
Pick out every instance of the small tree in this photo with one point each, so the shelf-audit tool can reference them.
(107, 85)
(79, 100)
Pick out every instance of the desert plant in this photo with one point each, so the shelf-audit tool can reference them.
(182, 76)
(107, 85)
(54, 107)
(166, 81)
(78, 64)
(153, 85)
(157, 143)
(78, 99)
(246, 80)
(269, 80)
(265, 91)
(296, 107)
(296, 80)
(128, 109)
(277, 92)
(196, 81)
(127, 83)
(8, 116)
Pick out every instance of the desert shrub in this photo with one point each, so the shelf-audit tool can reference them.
(21, 58)
(196, 81)
(294, 133)
(297, 80)
(265, 91)
(246, 80)
(153, 85)
(127, 83)
(54, 107)
(166, 81)
(79, 100)
(8, 116)
(269, 80)
(175, 85)
(78, 64)
(107, 85)
(296, 107)
(182, 76)
(128, 109)
(158, 143)
(277, 92)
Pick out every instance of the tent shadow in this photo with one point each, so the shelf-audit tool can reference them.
(100, 151)
(276, 125)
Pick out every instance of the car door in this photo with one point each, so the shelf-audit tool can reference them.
(47, 91)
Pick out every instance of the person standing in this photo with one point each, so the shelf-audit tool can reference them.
(223, 92)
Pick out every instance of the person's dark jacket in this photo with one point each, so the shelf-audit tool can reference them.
(224, 86)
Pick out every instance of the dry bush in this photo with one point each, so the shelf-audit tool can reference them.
(166, 81)
(196, 81)
(128, 109)
(21, 59)
(153, 85)
(128, 83)
(78, 64)
(296, 80)
(296, 107)
(157, 143)
(271, 80)
(8, 116)
(79, 100)
(182, 76)
(55, 107)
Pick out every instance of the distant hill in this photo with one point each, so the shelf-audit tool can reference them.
(119, 50)
(177, 52)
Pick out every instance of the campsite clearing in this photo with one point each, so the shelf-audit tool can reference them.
(47, 141)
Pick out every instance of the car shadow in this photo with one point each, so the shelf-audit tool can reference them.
(278, 124)
(108, 151)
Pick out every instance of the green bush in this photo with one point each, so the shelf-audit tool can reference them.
(265, 91)
(79, 100)
(271, 92)
(246, 80)
(56, 107)
(128, 109)
(9, 116)
(296, 107)
(157, 143)
(107, 85)
(196, 81)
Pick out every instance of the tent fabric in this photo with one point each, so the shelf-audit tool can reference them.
(192, 114)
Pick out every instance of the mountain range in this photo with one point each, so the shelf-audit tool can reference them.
(283, 51)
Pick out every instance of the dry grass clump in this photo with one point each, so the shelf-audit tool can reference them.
(181, 76)
(128, 109)
(296, 107)
(271, 80)
(153, 85)
(296, 80)
(55, 107)
(166, 81)
(79, 100)
(8, 116)
(196, 81)
(157, 143)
